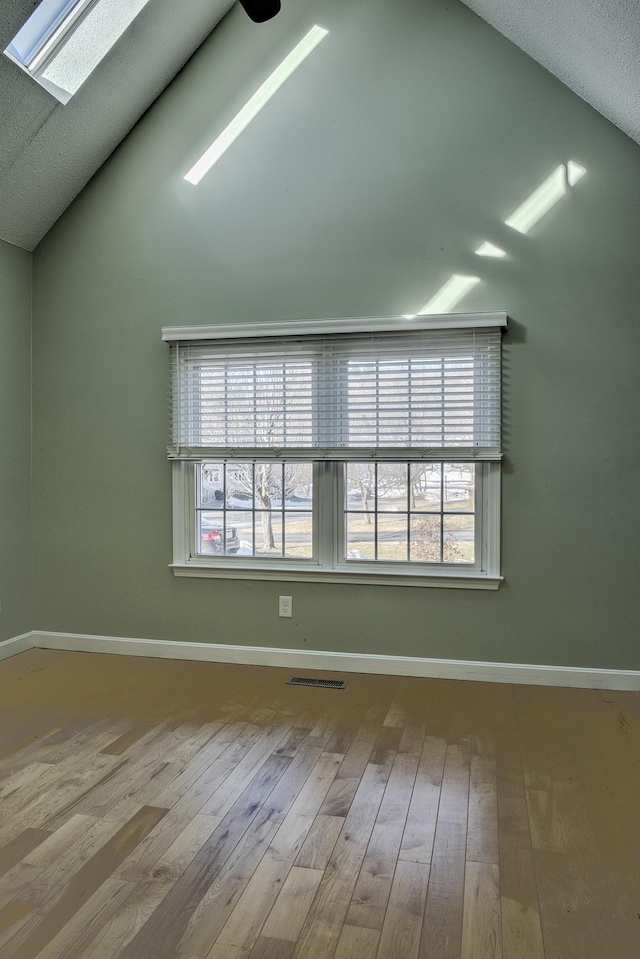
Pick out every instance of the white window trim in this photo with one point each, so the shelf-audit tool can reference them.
(485, 573)
(332, 569)
(354, 324)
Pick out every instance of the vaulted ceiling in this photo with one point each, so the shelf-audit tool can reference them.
(48, 151)
(593, 46)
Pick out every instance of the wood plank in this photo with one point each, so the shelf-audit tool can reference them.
(86, 881)
(412, 739)
(521, 926)
(402, 925)
(544, 824)
(417, 841)
(28, 773)
(321, 932)
(442, 926)
(371, 893)
(396, 715)
(561, 927)
(222, 952)
(278, 832)
(223, 798)
(224, 749)
(345, 731)
(32, 805)
(72, 939)
(126, 779)
(320, 842)
(183, 851)
(608, 773)
(124, 741)
(340, 796)
(220, 899)
(13, 917)
(290, 909)
(355, 942)
(271, 949)
(20, 847)
(454, 793)
(546, 766)
(127, 921)
(144, 792)
(188, 798)
(58, 842)
(202, 735)
(482, 826)
(482, 926)
(386, 745)
(357, 756)
(598, 909)
(243, 925)
(43, 883)
(245, 922)
(161, 934)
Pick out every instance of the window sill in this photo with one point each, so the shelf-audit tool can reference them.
(280, 574)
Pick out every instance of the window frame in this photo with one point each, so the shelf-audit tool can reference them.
(57, 32)
(327, 564)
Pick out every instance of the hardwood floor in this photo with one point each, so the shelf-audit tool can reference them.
(156, 809)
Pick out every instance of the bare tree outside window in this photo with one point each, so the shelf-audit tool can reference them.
(268, 483)
(276, 497)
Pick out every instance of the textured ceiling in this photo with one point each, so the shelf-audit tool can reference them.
(593, 46)
(48, 151)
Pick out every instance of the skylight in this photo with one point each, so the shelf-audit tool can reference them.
(63, 41)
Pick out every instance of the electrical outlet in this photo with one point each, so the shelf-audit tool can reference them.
(285, 606)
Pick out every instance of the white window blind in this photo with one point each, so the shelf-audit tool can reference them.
(387, 394)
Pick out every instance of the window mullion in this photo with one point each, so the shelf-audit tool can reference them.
(253, 509)
(325, 505)
(282, 508)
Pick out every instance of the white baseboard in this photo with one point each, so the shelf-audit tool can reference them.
(344, 662)
(15, 645)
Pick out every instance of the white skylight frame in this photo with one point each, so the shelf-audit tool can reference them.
(63, 41)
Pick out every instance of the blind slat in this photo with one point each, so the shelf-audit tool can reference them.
(397, 395)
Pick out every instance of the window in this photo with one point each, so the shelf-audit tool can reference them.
(63, 41)
(353, 450)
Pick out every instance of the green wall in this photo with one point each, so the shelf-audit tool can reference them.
(405, 140)
(15, 441)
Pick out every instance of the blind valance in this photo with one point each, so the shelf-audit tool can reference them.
(386, 394)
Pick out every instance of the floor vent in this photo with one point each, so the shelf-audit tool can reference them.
(324, 683)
